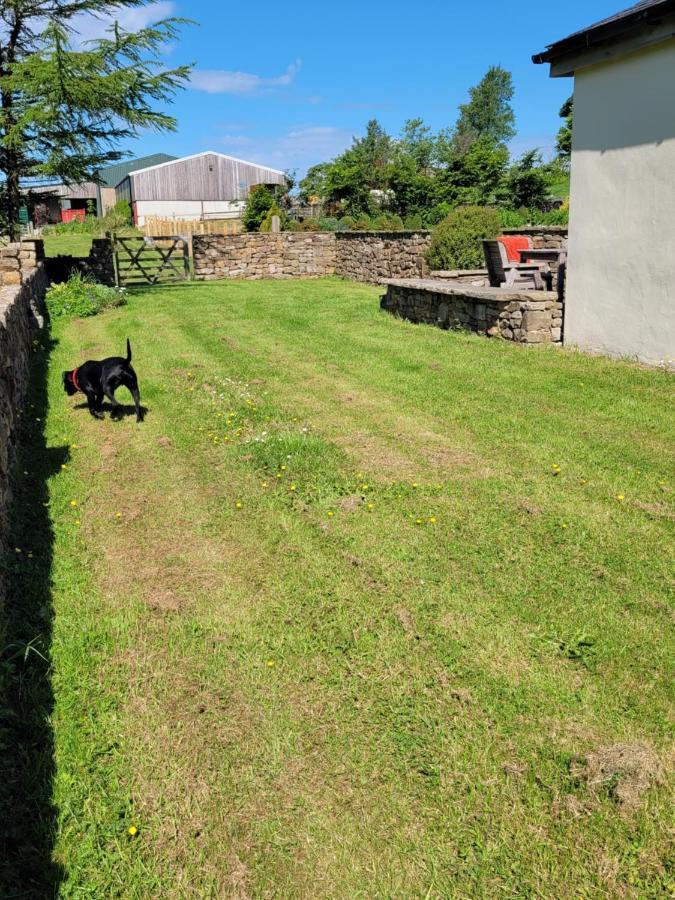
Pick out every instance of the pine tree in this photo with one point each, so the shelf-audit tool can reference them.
(65, 109)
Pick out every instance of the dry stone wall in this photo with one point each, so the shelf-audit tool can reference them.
(23, 284)
(267, 255)
(357, 256)
(526, 317)
(374, 256)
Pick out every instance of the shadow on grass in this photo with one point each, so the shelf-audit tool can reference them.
(27, 816)
(122, 410)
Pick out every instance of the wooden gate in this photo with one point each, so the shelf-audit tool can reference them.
(146, 260)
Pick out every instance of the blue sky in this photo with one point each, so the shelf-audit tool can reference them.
(289, 86)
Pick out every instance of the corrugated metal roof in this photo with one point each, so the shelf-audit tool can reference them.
(621, 23)
(112, 175)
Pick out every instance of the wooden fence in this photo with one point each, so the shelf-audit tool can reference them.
(157, 227)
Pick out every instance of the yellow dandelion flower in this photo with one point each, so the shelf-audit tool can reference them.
(432, 520)
(292, 487)
(414, 484)
(279, 475)
(77, 522)
(418, 521)
(620, 497)
(73, 502)
(283, 468)
(238, 504)
(331, 513)
(132, 831)
(270, 663)
(264, 484)
(365, 487)
(370, 505)
(118, 515)
(564, 524)
(64, 465)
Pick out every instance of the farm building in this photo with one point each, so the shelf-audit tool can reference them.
(57, 202)
(619, 292)
(111, 176)
(205, 186)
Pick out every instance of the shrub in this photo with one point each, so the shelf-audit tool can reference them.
(456, 241)
(345, 223)
(82, 296)
(119, 216)
(437, 213)
(387, 222)
(363, 223)
(414, 222)
(274, 210)
(260, 199)
(89, 225)
(329, 223)
(308, 224)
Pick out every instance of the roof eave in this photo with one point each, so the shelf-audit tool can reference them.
(648, 22)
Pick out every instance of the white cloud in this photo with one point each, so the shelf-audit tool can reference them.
(89, 26)
(220, 81)
(298, 148)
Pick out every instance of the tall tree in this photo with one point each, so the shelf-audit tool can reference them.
(488, 114)
(65, 109)
(563, 141)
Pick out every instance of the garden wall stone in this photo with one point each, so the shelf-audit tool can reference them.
(357, 256)
(526, 317)
(254, 256)
(23, 284)
(544, 237)
(371, 256)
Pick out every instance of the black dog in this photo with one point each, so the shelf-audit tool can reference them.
(98, 377)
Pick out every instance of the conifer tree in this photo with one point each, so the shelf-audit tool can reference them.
(66, 107)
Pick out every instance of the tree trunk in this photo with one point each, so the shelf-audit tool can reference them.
(13, 197)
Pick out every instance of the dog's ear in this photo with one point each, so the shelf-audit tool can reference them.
(68, 386)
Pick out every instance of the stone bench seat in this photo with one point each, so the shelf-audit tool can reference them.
(527, 317)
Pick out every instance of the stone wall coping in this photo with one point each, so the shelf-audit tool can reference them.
(538, 229)
(444, 286)
(379, 234)
(459, 273)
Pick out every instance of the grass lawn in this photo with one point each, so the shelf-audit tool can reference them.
(330, 623)
(68, 244)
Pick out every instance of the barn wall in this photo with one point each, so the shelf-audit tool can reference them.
(188, 209)
(210, 177)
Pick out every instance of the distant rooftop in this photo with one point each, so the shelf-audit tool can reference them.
(112, 175)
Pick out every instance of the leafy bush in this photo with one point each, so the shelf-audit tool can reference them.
(274, 210)
(119, 216)
(345, 223)
(414, 222)
(329, 223)
(437, 213)
(387, 222)
(456, 241)
(308, 224)
(82, 296)
(362, 223)
(260, 199)
(89, 225)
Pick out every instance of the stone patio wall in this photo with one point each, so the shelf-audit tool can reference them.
(526, 317)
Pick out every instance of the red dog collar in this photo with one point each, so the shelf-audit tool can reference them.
(77, 387)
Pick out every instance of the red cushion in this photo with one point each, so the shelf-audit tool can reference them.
(514, 243)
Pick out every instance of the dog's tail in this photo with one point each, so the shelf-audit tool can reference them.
(128, 352)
